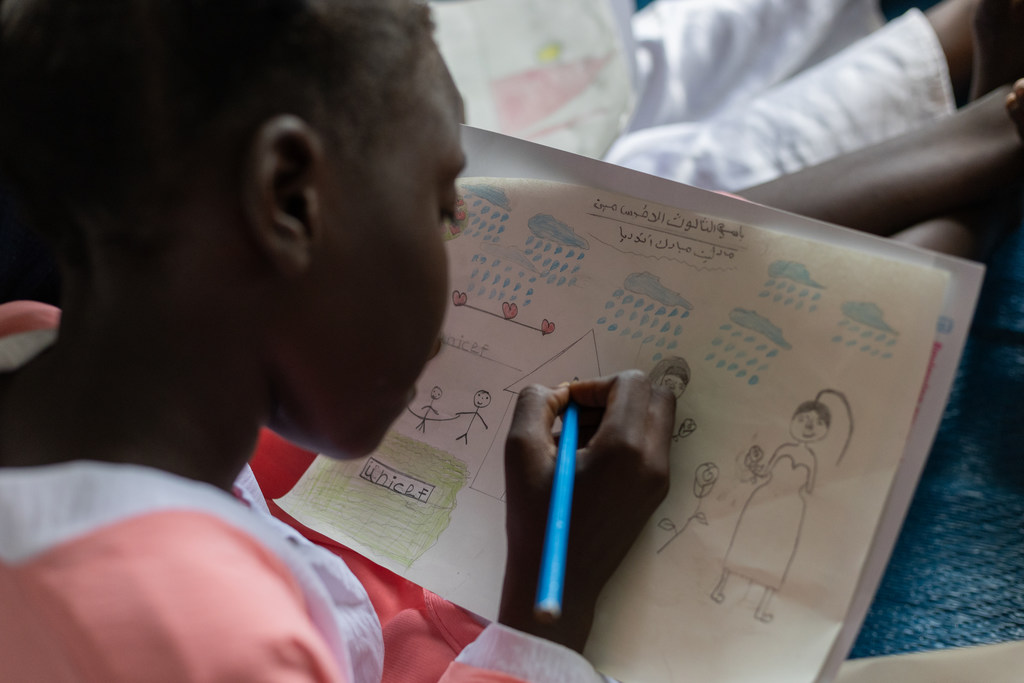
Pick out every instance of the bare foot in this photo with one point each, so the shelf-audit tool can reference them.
(998, 44)
(1015, 106)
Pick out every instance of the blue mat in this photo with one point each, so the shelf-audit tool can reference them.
(956, 576)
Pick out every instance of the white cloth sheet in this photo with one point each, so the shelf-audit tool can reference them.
(733, 93)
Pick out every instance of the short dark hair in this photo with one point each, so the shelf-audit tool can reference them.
(106, 103)
(815, 406)
(671, 365)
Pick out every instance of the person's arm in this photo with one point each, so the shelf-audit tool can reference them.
(891, 186)
(621, 477)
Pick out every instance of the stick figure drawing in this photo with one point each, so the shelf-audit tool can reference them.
(435, 394)
(481, 399)
(767, 532)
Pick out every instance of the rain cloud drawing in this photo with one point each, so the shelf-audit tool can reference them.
(790, 284)
(863, 328)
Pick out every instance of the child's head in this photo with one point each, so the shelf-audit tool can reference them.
(109, 104)
(810, 422)
(286, 162)
(672, 373)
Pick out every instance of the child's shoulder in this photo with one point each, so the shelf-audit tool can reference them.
(127, 572)
(179, 593)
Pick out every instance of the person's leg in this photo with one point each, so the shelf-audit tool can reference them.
(952, 21)
(761, 613)
(971, 233)
(975, 231)
(941, 168)
(999, 44)
(718, 594)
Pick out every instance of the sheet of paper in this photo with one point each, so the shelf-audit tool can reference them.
(551, 72)
(767, 534)
(491, 154)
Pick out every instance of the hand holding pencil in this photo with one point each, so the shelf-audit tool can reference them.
(621, 475)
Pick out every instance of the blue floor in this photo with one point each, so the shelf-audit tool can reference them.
(956, 576)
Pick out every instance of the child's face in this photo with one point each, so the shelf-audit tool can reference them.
(808, 427)
(673, 383)
(381, 284)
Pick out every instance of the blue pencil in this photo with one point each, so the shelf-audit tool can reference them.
(548, 606)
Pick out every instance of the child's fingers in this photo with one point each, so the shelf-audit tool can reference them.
(635, 412)
(530, 433)
(593, 392)
(1015, 99)
(625, 412)
(535, 414)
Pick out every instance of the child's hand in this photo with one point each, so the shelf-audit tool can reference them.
(1015, 105)
(621, 477)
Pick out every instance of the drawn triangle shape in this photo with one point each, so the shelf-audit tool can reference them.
(578, 360)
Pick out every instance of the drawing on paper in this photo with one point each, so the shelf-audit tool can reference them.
(396, 502)
(509, 310)
(704, 479)
(790, 284)
(428, 409)
(481, 399)
(550, 73)
(647, 312)
(746, 345)
(863, 327)
(673, 373)
(698, 241)
(508, 275)
(767, 533)
(454, 226)
(526, 99)
(579, 359)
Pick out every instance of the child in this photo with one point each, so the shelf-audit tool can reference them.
(246, 199)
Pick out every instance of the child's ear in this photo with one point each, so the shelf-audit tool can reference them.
(280, 191)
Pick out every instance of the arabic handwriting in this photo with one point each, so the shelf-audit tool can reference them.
(677, 246)
(688, 223)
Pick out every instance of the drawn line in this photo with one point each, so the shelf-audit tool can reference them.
(510, 320)
(432, 419)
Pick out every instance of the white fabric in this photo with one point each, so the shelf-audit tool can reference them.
(43, 507)
(698, 57)
(532, 659)
(726, 103)
(18, 349)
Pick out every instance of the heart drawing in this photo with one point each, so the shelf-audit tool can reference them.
(509, 310)
(547, 327)
(459, 298)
